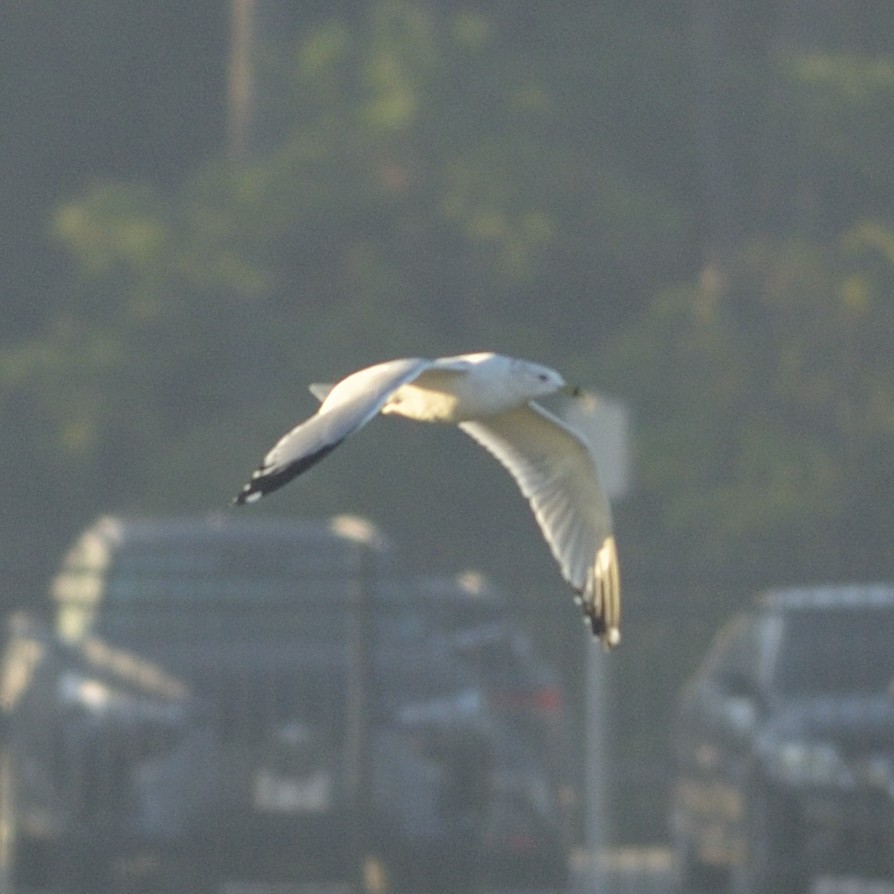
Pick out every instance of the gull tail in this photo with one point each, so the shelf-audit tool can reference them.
(320, 390)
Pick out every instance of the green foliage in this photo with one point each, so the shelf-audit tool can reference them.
(781, 358)
(429, 182)
(428, 179)
(418, 188)
(839, 93)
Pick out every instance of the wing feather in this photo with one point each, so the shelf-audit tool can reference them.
(553, 467)
(346, 407)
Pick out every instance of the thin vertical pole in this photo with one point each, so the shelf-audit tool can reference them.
(358, 742)
(596, 715)
(240, 79)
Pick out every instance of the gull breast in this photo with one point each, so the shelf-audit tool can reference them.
(424, 404)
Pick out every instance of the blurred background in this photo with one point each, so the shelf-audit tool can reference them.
(687, 206)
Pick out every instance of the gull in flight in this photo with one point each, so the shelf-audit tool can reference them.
(491, 398)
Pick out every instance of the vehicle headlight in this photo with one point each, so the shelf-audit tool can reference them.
(808, 763)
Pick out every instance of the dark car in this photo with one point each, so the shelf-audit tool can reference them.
(296, 711)
(527, 821)
(784, 744)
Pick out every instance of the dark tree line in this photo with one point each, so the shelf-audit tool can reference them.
(688, 205)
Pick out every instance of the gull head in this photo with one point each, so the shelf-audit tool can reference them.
(535, 380)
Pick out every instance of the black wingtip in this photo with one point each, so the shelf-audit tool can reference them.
(260, 483)
(266, 479)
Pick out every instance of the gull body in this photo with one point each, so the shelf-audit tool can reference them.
(491, 398)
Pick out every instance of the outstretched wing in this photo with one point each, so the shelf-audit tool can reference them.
(349, 405)
(554, 469)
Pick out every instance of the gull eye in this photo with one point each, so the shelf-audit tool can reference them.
(543, 377)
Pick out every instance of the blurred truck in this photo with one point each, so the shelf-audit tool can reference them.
(784, 745)
(243, 699)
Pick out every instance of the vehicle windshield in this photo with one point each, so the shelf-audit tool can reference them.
(228, 592)
(836, 652)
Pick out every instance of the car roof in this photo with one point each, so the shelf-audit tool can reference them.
(222, 527)
(828, 596)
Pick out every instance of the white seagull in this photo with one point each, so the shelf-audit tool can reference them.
(491, 398)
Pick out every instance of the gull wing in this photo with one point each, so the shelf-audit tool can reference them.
(348, 406)
(555, 470)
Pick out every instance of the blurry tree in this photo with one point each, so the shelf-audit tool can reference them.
(762, 387)
(768, 410)
(97, 89)
(420, 185)
(435, 181)
(762, 408)
(430, 178)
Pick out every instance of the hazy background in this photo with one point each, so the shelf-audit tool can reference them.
(689, 206)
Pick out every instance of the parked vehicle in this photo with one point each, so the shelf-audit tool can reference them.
(241, 699)
(527, 821)
(784, 745)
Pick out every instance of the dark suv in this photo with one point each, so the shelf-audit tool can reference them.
(243, 698)
(526, 825)
(784, 744)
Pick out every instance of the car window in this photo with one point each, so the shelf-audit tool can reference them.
(836, 652)
(735, 657)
